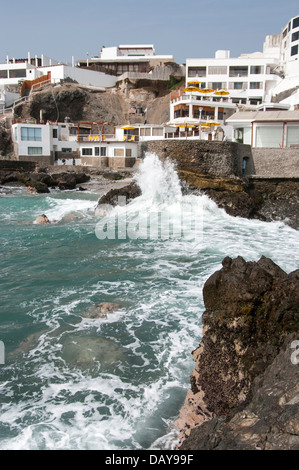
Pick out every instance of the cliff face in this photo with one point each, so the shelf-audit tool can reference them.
(244, 388)
(82, 103)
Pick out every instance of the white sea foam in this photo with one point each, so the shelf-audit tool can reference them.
(129, 403)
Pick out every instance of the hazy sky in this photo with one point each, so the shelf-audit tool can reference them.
(194, 28)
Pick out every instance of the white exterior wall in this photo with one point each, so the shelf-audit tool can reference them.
(82, 76)
(44, 143)
(31, 73)
(267, 80)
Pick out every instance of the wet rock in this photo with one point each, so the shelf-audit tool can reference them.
(42, 220)
(38, 188)
(127, 193)
(251, 314)
(101, 310)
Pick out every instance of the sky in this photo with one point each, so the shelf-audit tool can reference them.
(185, 29)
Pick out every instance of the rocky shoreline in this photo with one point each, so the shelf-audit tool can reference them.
(245, 384)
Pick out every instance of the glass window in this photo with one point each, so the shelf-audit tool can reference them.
(157, 131)
(256, 69)
(217, 70)
(97, 151)
(87, 151)
(238, 71)
(103, 151)
(35, 151)
(294, 50)
(256, 85)
(295, 36)
(197, 71)
(66, 150)
(31, 133)
(296, 22)
(54, 133)
(128, 152)
(3, 73)
(18, 73)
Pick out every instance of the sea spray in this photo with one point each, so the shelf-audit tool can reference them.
(53, 398)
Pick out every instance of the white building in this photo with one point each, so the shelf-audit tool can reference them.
(126, 58)
(267, 129)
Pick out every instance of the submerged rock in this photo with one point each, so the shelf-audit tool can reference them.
(79, 351)
(250, 321)
(42, 219)
(101, 310)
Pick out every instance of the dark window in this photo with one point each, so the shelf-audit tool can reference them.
(18, 73)
(256, 69)
(295, 36)
(3, 73)
(294, 50)
(238, 71)
(285, 32)
(103, 151)
(289, 27)
(97, 151)
(296, 22)
(256, 85)
(54, 133)
(66, 150)
(86, 151)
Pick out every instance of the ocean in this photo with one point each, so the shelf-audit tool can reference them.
(73, 382)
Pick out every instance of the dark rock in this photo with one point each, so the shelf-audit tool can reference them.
(127, 193)
(101, 310)
(252, 311)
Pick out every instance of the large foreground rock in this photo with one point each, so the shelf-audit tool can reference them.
(244, 387)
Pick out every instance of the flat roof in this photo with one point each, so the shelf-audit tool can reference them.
(264, 116)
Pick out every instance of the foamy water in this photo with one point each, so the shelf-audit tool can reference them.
(71, 382)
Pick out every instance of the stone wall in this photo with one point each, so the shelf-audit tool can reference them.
(40, 160)
(220, 159)
(276, 162)
(16, 165)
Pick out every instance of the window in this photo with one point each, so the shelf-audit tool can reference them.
(197, 71)
(119, 152)
(35, 150)
(87, 151)
(66, 150)
(294, 50)
(97, 151)
(146, 131)
(216, 85)
(256, 85)
(31, 133)
(238, 71)
(18, 73)
(54, 133)
(285, 32)
(217, 70)
(296, 22)
(238, 86)
(128, 152)
(256, 69)
(295, 36)
(3, 73)
(157, 131)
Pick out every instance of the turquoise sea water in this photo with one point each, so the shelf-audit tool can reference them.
(71, 382)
